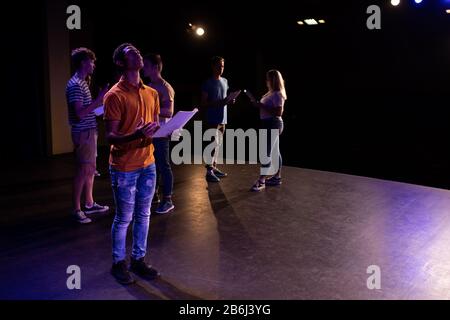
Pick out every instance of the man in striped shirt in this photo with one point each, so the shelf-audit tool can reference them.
(84, 132)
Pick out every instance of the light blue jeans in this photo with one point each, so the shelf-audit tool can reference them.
(133, 193)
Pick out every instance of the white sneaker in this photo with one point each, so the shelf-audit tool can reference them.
(81, 217)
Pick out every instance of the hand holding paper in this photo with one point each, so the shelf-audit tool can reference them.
(99, 111)
(232, 96)
(176, 123)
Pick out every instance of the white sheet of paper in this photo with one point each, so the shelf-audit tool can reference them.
(99, 111)
(177, 122)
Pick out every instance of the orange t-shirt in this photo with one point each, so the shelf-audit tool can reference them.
(128, 104)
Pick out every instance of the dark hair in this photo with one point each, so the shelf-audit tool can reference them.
(79, 55)
(216, 59)
(119, 54)
(154, 59)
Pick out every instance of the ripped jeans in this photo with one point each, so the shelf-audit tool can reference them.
(133, 193)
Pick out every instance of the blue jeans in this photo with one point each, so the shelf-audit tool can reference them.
(133, 193)
(163, 168)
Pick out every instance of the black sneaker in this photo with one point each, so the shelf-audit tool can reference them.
(96, 208)
(165, 207)
(258, 186)
(143, 270)
(218, 173)
(274, 181)
(211, 177)
(120, 271)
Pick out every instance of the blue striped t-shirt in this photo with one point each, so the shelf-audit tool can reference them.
(78, 90)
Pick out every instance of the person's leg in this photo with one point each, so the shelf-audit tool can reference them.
(210, 167)
(166, 176)
(276, 152)
(89, 173)
(124, 191)
(78, 183)
(159, 160)
(78, 139)
(280, 158)
(267, 126)
(218, 141)
(166, 170)
(145, 189)
(90, 158)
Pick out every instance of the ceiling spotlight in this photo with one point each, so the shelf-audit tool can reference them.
(200, 31)
(310, 21)
(395, 2)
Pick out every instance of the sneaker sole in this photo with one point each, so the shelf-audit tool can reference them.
(166, 211)
(85, 221)
(96, 211)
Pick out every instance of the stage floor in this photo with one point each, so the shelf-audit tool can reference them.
(311, 238)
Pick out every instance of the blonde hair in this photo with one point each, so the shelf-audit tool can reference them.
(276, 82)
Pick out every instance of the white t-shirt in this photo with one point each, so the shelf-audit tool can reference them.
(271, 99)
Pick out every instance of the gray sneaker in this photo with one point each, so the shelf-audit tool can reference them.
(96, 208)
(80, 217)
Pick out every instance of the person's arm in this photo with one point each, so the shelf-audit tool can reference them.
(166, 109)
(142, 131)
(166, 102)
(274, 111)
(81, 111)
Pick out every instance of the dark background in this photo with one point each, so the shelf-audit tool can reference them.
(366, 102)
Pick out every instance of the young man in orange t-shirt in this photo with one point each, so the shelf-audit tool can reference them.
(131, 115)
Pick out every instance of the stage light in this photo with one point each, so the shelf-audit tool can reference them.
(200, 31)
(321, 21)
(311, 22)
(418, 1)
(448, 11)
(395, 2)
(300, 23)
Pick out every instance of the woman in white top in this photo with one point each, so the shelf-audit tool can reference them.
(271, 108)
